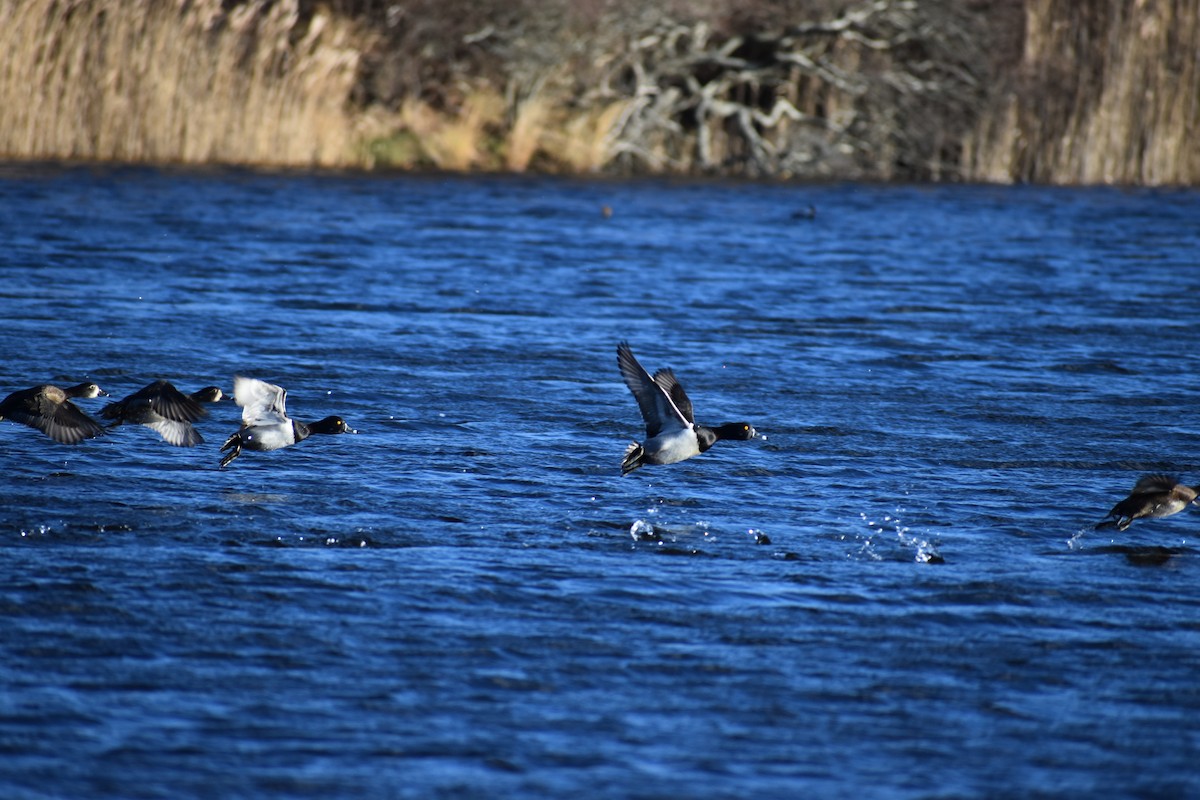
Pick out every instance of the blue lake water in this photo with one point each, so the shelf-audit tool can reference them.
(896, 592)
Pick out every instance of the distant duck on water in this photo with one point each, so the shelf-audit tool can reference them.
(49, 409)
(1152, 496)
(672, 434)
(165, 410)
(265, 423)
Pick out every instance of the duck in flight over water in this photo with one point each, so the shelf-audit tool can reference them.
(1152, 496)
(265, 423)
(672, 434)
(165, 410)
(49, 409)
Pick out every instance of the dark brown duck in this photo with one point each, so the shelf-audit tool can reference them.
(165, 410)
(1152, 496)
(49, 409)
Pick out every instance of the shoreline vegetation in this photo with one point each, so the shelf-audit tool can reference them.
(1045, 91)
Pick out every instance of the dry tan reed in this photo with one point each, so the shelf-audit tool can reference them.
(1110, 94)
(1107, 91)
(584, 142)
(528, 129)
(455, 142)
(177, 82)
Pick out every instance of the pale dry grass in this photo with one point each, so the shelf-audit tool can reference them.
(476, 139)
(1119, 104)
(177, 82)
(161, 82)
(459, 142)
(527, 132)
(584, 142)
(1107, 97)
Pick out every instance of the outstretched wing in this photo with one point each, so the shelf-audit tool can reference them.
(169, 402)
(262, 403)
(64, 423)
(1154, 483)
(180, 434)
(674, 389)
(158, 399)
(657, 407)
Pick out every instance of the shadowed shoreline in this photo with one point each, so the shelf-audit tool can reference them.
(1044, 91)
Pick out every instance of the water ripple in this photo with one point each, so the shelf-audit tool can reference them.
(954, 384)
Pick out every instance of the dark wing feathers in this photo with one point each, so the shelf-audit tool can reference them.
(1155, 483)
(159, 398)
(175, 405)
(665, 378)
(64, 423)
(658, 409)
(72, 426)
(47, 409)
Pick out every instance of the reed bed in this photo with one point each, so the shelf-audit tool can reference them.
(155, 81)
(1100, 91)
(1108, 91)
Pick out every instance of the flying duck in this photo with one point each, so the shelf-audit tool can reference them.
(1152, 496)
(49, 409)
(164, 409)
(265, 423)
(671, 431)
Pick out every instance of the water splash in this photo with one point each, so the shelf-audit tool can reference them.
(1076, 540)
(894, 529)
(644, 531)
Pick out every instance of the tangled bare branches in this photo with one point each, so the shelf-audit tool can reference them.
(870, 88)
(870, 91)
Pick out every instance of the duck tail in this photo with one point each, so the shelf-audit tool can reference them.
(632, 459)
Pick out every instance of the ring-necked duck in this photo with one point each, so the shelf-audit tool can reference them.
(672, 434)
(164, 409)
(49, 409)
(265, 423)
(1152, 496)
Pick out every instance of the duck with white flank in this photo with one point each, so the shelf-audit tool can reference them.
(164, 409)
(265, 423)
(1152, 496)
(49, 409)
(672, 434)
